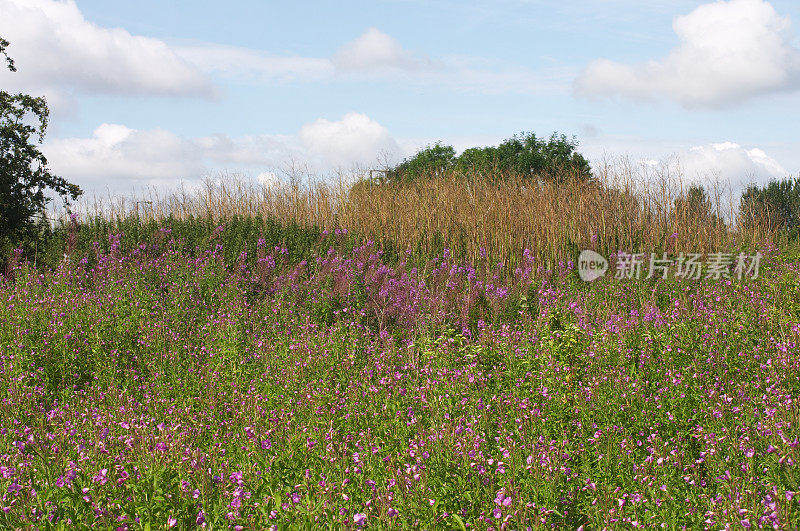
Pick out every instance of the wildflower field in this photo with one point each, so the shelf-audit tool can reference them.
(150, 383)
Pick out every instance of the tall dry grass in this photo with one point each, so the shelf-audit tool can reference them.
(310, 203)
(629, 207)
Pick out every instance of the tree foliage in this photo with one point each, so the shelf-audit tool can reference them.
(695, 203)
(431, 160)
(24, 176)
(776, 205)
(524, 155)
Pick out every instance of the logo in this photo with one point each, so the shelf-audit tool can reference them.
(591, 266)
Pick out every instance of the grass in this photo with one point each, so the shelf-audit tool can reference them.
(251, 371)
(625, 207)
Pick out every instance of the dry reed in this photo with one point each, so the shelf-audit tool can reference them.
(626, 207)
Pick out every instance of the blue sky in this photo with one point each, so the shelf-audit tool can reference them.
(150, 93)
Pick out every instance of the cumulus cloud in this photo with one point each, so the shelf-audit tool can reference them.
(355, 139)
(117, 157)
(728, 51)
(56, 48)
(732, 163)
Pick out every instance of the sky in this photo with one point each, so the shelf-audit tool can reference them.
(154, 94)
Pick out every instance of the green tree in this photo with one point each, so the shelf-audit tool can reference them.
(776, 205)
(525, 155)
(695, 202)
(24, 177)
(432, 160)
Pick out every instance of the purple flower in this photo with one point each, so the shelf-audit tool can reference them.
(101, 477)
(502, 499)
(360, 519)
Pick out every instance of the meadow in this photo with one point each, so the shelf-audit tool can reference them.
(284, 359)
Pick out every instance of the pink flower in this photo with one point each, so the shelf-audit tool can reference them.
(360, 519)
(101, 477)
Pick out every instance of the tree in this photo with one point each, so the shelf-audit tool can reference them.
(776, 205)
(523, 155)
(431, 160)
(694, 203)
(24, 176)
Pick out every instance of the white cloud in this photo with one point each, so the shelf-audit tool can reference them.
(373, 53)
(732, 163)
(728, 51)
(56, 48)
(254, 65)
(376, 56)
(376, 51)
(248, 151)
(355, 139)
(270, 180)
(117, 157)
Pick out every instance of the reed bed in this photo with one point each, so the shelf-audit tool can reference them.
(627, 206)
